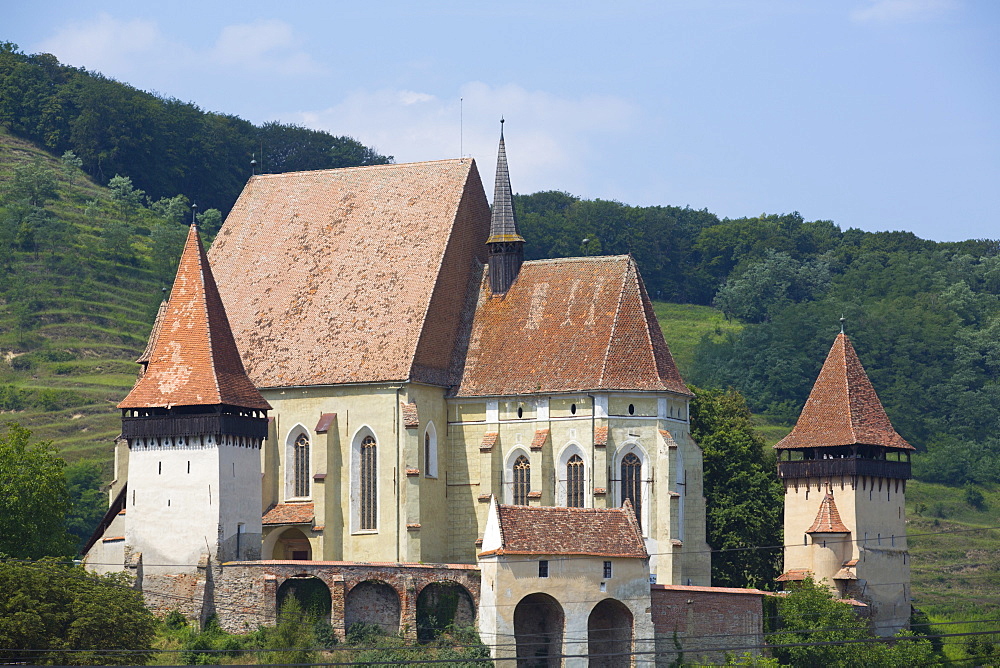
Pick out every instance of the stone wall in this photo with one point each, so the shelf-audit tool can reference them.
(706, 621)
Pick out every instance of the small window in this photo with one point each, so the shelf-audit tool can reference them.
(631, 409)
(520, 412)
(574, 482)
(159, 468)
(543, 568)
(572, 409)
(607, 570)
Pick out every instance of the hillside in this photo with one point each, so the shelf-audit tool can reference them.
(73, 318)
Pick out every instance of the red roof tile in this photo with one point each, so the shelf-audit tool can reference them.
(795, 575)
(600, 435)
(828, 518)
(154, 333)
(368, 266)
(566, 325)
(538, 440)
(289, 513)
(609, 532)
(843, 408)
(325, 422)
(489, 440)
(194, 360)
(411, 420)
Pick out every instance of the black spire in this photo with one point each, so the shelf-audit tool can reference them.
(506, 246)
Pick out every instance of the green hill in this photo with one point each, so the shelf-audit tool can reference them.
(74, 315)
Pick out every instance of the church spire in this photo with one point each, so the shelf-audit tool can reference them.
(505, 245)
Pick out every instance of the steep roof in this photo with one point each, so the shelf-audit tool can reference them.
(843, 408)
(154, 333)
(193, 359)
(828, 518)
(503, 222)
(607, 532)
(353, 275)
(566, 325)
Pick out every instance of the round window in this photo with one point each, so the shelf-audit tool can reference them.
(520, 412)
(631, 409)
(572, 409)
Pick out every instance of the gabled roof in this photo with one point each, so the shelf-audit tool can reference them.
(503, 222)
(606, 532)
(828, 518)
(843, 408)
(353, 275)
(573, 324)
(194, 360)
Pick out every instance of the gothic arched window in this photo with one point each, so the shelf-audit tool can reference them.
(522, 480)
(574, 482)
(368, 480)
(301, 466)
(632, 483)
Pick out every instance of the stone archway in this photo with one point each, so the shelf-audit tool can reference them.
(538, 631)
(440, 605)
(609, 635)
(311, 593)
(292, 545)
(372, 602)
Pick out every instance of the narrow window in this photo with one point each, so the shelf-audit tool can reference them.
(159, 468)
(522, 480)
(574, 482)
(572, 409)
(301, 453)
(189, 466)
(520, 412)
(427, 454)
(631, 409)
(632, 483)
(607, 570)
(369, 484)
(543, 568)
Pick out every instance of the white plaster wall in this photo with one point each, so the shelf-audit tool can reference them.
(108, 557)
(239, 501)
(173, 507)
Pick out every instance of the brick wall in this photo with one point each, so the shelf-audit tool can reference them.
(706, 621)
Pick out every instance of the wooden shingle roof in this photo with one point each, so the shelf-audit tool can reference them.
(353, 275)
(828, 518)
(193, 359)
(607, 532)
(566, 325)
(843, 408)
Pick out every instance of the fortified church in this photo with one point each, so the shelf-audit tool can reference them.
(364, 390)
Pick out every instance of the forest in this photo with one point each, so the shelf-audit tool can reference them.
(924, 316)
(164, 145)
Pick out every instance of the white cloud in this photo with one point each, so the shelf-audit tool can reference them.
(268, 46)
(895, 11)
(107, 45)
(551, 140)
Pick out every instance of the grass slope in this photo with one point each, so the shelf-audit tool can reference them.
(69, 358)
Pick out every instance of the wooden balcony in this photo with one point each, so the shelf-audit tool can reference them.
(193, 425)
(825, 468)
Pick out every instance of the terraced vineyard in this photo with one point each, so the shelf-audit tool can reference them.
(72, 318)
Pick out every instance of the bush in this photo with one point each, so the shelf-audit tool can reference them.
(975, 498)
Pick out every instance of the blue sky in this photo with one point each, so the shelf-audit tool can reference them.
(878, 114)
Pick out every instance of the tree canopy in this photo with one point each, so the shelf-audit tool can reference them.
(58, 614)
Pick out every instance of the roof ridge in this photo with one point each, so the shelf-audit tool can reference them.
(389, 165)
(579, 258)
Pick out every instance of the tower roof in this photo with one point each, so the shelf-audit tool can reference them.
(192, 357)
(828, 518)
(503, 223)
(843, 408)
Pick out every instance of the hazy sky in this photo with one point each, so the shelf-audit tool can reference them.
(878, 114)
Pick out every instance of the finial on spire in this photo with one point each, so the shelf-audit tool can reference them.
(194, 212)
(842, 321)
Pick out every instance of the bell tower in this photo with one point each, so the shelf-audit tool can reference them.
(844, 469)
(194, 423)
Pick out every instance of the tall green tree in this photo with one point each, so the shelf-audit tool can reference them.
(34, 498)
(743, 494)
(51, 613)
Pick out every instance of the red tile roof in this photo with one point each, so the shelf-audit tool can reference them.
(194, 360)
(289, 513)
(795, 575)
(325, 422)
(411, 420)
(843, 408)
(828, 518)
(568, 325)
(608, 532)
(489, 440)
(154, 333)
(601, 435)
(353, 275)
(538, 440)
